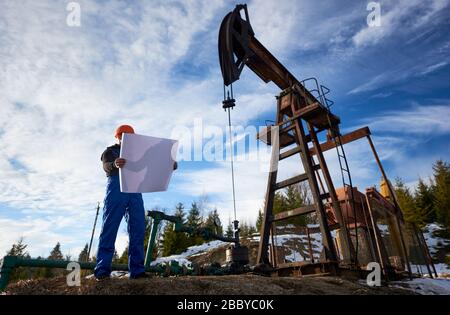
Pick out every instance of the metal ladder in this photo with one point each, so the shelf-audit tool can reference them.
(322, 92)
(346, 177)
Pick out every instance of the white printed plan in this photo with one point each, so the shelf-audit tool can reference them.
(149, 163)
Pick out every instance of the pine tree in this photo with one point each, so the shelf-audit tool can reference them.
(279, 203)
(179, 212)
(213, 222)
(229, 232)
(407, 204)
(244, 229)
(194, 220)
(295, 196)
(18, 249)
(251, 230)
(124, 257)
(83, 254)
(441, 193)
(175, 242)
(116, 258)
(424, 200)
(259, 220)
(56, 253)
(169, 240)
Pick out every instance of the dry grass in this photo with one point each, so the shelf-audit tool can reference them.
(203, 285)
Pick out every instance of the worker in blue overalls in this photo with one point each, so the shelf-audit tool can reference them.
(116, 206)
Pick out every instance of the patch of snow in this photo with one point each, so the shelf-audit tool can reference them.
(292, 251)
(120, 274)
(425, 286)
(384, 229)
(441, 269)
(182, 261)
(190, 251)
(433, 241)
(114, 274)
(287, 226)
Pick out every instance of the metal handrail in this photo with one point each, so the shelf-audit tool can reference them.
(321, 91)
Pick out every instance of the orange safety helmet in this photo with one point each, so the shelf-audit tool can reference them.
(123, 129)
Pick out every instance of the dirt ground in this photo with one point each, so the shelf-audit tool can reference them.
(203, 285)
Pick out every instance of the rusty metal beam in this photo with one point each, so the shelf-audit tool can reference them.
(290, 181)
(267, 67)
(289, 153)
(347, 138)
(293, 213)
(384, 204)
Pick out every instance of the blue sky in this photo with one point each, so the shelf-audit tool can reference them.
(154, 64)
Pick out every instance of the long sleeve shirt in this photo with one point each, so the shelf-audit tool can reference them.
(108, 157)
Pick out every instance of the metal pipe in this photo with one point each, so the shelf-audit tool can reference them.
(311, 254)
(93, 231)
(377, 241)
(402, 240)
(372, 250)
(274, 245)
(151, 242)
(232, 162)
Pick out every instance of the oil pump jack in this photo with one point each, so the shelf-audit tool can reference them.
(302, 113)
(301, 116)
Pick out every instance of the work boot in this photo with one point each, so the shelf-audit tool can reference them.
(102, 278)
(143, 275)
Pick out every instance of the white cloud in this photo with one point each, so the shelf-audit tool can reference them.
(399, 16)
(389, 77)
(418, 120)
(40, 234)
(434, 67)
(381, 95)
(303, 25)
(64, 90)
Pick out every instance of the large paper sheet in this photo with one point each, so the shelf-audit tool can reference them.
(149, 163)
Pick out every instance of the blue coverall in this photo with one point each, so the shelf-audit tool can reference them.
(117, 205)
